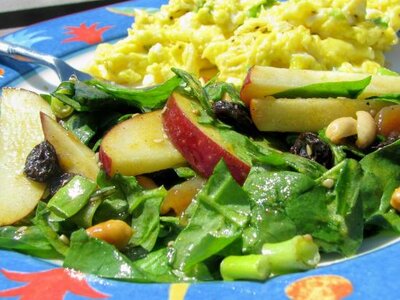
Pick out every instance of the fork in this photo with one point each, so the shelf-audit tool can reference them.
(63, 70)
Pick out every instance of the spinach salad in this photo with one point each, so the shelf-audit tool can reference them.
(301, 195)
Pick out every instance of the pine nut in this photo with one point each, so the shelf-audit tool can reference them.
(395, 199)
(115, 232)
(366, 129)
(341, 128)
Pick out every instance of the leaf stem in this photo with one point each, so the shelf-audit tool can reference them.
(247, 267)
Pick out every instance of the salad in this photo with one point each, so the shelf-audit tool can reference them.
(193, 181)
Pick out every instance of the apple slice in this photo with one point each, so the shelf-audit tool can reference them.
(73, 156)
(138, 146)
(20, 131)
(264, 81)
(201, 145)
(301, 115)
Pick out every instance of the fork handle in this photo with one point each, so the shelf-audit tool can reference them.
(26, 55)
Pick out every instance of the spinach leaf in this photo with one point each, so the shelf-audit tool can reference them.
(259, 152)
(386, 71)
(132, 199)
(193, 88)
(255, 10)
(219, 213)
(117, 209)
(185, 172)
(93, 97)
(96, 94)
(216, 90)
(287, 203)
(72, 197)
(143, 98)
(27, 239)
(392, 98)
(380, 22)
(341, 151)
(84, 217)
(146, 219)
(83, 125)
(348, 89)
(344, 231)
(127, 188)
(94, 256)
(42, 221)
(71, 102)
(269, 191)
(156, 265)
(89, 126)
(381, 176)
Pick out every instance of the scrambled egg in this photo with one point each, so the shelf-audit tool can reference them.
(226, 37)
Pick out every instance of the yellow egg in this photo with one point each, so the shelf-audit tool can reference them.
(226, 37)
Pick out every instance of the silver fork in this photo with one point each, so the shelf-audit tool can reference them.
(63, 70)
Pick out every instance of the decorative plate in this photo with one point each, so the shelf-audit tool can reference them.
(371, 275)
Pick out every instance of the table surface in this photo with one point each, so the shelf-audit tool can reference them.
(13, 5)
(8, 30)
(17, 14)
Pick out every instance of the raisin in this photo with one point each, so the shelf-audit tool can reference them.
(235, 115)
(41, 163)
(58, 181)
(310, 146)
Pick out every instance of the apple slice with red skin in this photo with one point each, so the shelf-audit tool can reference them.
(73, 155)
(138, 146)
(201, 145)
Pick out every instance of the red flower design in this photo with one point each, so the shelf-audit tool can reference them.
(83, 33)
(1, 72)
(49, 285)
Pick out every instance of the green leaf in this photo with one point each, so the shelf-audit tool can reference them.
(41, 220)
(116, 209)
(127, 188)
(256, 9)
(386, 71)
(348, 89)
(216, 91)
(380, 22)
(146, 220)
(195, 89)
(392, 98)
(84, 217)
(269, 192)
(221, 212)
(142, 98)
(260, 152)
(94, 256)
(341, 151)
(83, 125)
(72, 197)
(286, 203)
(133, 199)
(156, 265)
(93, 97)
(71, 102)
(185, 172)
(381, 176)
(27, 239)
